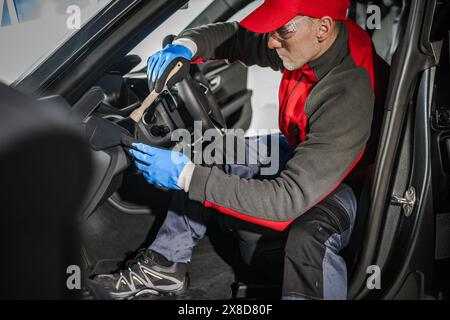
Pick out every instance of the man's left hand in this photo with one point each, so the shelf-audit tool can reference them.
(160, 167)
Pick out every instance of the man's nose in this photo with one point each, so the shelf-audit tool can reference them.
(274, 43)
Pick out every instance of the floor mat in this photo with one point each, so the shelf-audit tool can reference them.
(210, 276)
(215, 266)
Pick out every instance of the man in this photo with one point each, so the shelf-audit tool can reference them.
(326, 105)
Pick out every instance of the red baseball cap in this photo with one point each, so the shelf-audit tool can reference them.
(273, 14)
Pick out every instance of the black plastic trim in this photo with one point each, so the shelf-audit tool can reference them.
(411, 253)
(407, 64)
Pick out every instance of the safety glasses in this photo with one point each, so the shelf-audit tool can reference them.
(285, 32)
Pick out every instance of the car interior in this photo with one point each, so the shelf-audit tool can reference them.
(122, 212)
(216, 93)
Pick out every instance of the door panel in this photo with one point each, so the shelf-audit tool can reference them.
(440, 157)
(441, 133)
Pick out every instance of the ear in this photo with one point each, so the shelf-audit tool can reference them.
(324, 31)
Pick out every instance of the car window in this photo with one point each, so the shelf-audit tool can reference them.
(30, 30)
(173, 25)
(384, 20)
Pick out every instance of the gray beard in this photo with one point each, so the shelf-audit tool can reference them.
(290, 67)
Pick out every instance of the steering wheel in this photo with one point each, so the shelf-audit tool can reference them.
(200, 102)
(198, 98)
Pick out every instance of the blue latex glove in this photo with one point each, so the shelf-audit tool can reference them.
(161, 63)
(160, 167)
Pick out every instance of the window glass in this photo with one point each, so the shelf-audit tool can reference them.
(30, 30)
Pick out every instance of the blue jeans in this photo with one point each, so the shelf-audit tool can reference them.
(312, 267)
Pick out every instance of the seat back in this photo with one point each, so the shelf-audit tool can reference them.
(362, 181)
(44, 173)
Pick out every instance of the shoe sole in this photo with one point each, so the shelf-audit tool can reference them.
(154, 291)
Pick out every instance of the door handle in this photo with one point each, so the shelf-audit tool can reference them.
(215, 83)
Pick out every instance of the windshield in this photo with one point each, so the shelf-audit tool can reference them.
(30, 30)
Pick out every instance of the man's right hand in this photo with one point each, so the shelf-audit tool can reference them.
(161, 63)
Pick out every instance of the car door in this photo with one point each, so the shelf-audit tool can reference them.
(407, 226)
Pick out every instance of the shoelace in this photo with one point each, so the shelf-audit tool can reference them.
(140, 257)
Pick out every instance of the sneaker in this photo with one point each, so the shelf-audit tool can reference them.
(148, 273)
